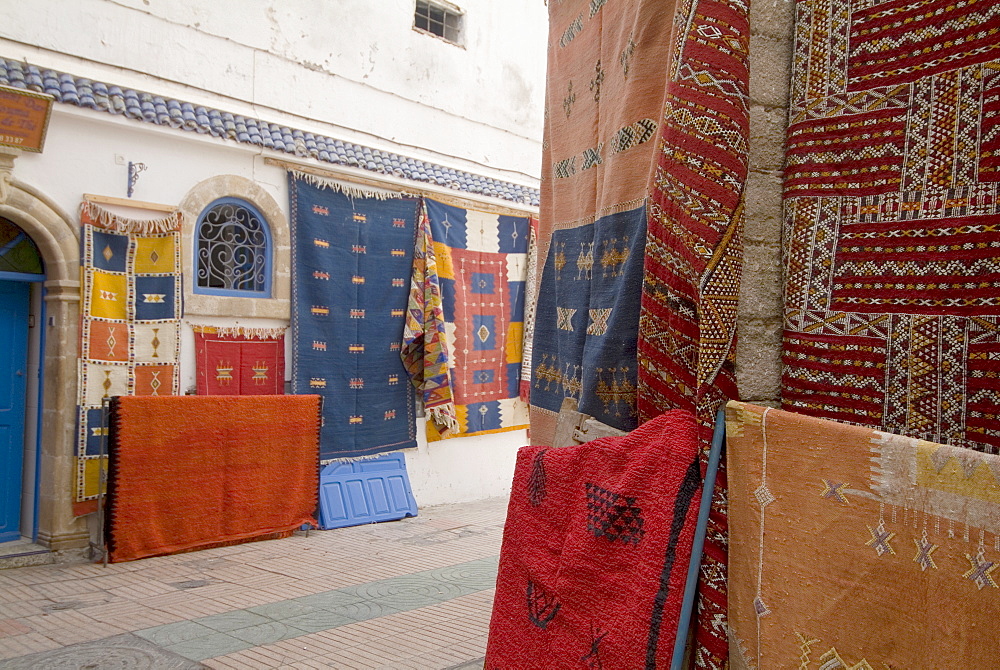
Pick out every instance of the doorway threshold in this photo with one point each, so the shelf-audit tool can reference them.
(22, 553)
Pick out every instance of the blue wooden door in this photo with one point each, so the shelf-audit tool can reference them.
(13, 374)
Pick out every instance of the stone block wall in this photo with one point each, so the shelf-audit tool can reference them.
(758, 353)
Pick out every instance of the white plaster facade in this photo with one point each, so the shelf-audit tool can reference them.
(354, 70)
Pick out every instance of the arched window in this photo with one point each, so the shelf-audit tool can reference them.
(232, 250)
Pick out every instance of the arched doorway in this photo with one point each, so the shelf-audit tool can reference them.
(21, 275)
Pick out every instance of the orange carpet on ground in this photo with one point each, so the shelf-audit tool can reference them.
(192, 472)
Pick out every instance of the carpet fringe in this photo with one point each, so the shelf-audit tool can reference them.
(105, 218)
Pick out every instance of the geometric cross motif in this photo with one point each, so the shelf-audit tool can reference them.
(542, 607)
(564, 318)
(924, 551)
(260, 370)
(832, 490)
(569, 100)
(224, 373)
(592, 659)
(595, 83)
(598, 321)
(764, 496)
(981, 571)
(613, 516)
(536, 482)
(880, 540)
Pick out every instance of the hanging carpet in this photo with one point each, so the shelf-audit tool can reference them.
(352, 257)
(239, 361)
(857, 548)
(892, 297)
(130, 313)
(644, 164)
(192, 472)
(595, 550)
(466, 318)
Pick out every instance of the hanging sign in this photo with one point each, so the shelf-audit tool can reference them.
(24, 118)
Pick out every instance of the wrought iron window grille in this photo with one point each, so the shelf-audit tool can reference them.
(233, 250)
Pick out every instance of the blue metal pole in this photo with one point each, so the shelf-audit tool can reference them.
(690, 588)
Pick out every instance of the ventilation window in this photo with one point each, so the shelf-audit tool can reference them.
(233, 255)
(438, 19)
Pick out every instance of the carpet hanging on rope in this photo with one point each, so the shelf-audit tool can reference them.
(892, 315)
(642, 191)
(604, 102)
(596, 549)
(192, 472)
(239, 361)
(693, 263)
(130, 313)
(857, 548)
(463, 340)
(352, 255)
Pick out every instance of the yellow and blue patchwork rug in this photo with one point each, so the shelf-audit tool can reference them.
(481, 261)
(130, 309)
(351, 260)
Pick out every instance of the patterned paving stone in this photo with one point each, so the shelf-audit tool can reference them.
(122, 652)
(266, 633)
(358, 597)
(286, 609)
(319, 620)
(229, 621)
(174, 633)
(210, 646)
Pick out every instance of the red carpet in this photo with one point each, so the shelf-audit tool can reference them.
(595, 551)
(191, 472)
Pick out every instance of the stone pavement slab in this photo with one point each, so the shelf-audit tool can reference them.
(414, 593)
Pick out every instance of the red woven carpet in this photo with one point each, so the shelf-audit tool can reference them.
(191, 472)
(892, 205)
(595, 551)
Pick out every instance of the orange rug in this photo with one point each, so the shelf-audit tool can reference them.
(192, 472)
(854, 548)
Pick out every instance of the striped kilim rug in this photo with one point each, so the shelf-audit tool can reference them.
(892, 301)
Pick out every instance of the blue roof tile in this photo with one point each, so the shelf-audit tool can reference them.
(146, 107)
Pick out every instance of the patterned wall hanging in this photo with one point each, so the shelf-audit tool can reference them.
(645, 160)
(856, 548)
(352, 256)
(466, 320)
(892, 314)
(239, 360)
(694, 259)
(129, 321)
(602, 120)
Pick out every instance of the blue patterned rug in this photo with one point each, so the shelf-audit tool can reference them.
(351, 259)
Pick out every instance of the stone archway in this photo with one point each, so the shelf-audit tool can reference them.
(56, 235)
(196, 200)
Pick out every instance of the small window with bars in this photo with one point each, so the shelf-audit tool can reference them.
(233, 250)
(439, 19)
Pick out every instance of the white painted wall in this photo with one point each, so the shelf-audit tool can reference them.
(354, 65)
(350, 69)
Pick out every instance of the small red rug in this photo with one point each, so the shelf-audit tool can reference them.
(596, 549)
(192, 472)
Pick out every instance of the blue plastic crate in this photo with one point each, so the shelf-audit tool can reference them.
(368, 491)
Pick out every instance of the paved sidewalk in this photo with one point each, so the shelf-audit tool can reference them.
(414, 594)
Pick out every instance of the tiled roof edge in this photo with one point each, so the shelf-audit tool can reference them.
(162, 111)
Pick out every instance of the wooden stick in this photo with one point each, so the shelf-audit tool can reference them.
(127, 202)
